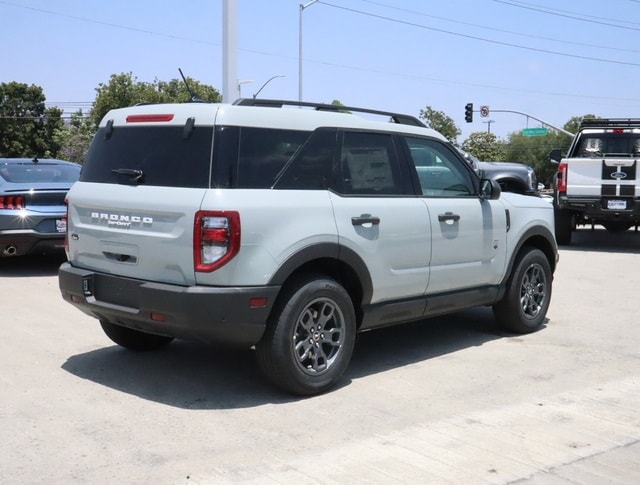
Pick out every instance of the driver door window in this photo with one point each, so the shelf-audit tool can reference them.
(440, 172)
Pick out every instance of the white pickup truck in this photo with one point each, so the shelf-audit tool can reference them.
(596, 181)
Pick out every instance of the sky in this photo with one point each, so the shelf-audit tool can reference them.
(551, 59)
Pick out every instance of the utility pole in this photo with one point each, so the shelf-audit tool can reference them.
(230, 86)
(489, 125)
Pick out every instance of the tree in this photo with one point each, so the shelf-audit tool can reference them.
(27, 127)
(484, 146)
(574, 122)
(75, 138)
(124, 90)
(440, 122)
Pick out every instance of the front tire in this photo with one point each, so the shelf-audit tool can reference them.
(133, 339)
(525, 304)
(310, 336)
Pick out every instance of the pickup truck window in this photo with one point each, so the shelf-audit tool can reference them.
(609, 145)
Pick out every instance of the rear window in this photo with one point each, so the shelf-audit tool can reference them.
(167, 156)
(626, 144)
(39, 173)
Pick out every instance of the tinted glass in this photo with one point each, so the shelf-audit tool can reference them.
(440, 171)
(263, 153)
(167, 156)
(370, 164)
(36, 173)
(609, 144)
(313, 166)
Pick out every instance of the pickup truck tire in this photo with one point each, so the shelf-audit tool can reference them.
(525, 304)
(617, 226)
(564, 226)
(134, 339)
(310, 336)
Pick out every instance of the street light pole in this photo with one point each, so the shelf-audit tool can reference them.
(302, 7)
(240, 83)
(268, 81)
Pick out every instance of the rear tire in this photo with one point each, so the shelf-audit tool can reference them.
(564, 226)
(134, 339)
(617, 226)
(310, 336)
(525, 304)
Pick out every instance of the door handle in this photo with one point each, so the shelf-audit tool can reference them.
(448, 216)
(365, 219)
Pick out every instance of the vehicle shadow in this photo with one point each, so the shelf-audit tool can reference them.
(600, 240)
(45, 264)
(197, 376)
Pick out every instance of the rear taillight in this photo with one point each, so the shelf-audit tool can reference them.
(216, 238)
(562, 178)
(11, 202)
(65, 218)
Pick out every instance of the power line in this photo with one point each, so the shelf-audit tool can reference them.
(570, 15)
(504, 31)
(482, 39)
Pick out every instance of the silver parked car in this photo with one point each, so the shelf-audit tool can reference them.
(32, 206)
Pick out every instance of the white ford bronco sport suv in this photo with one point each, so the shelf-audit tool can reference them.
(292, 229)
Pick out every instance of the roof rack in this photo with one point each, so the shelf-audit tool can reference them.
(610, 122)
(279, 103)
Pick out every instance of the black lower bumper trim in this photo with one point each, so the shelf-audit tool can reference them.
(210, 314)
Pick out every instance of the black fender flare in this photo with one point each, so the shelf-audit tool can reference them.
(331, 251)
(533, 237)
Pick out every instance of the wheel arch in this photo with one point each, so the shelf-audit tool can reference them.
(535, 237)
(338, 262)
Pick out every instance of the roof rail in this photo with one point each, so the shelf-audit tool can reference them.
(610, 122)
(279, 103)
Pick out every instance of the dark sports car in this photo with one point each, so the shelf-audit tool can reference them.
(32, 207)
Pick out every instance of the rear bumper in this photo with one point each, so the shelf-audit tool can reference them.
(596, 208)
(210, 314)
(20, 243)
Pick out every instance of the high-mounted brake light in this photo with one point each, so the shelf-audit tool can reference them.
(155, 118)
(562, 178)
(216, 239)
(12, 202)
(618, 130)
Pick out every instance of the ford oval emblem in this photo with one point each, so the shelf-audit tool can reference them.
(619, 175)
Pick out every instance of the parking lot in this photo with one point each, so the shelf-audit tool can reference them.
(449, 400)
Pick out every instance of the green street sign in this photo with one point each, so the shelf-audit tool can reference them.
(534, 131)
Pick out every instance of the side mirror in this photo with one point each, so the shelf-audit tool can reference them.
(555, 156)
(489, 189)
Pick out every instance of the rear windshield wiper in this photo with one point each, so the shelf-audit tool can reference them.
(133, 176)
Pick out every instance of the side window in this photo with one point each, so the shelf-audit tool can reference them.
(369, 164)
(313, 166)
(263, 153)
(440, 172)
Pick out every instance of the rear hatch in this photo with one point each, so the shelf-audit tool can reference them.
(605, 165)
(132, 212)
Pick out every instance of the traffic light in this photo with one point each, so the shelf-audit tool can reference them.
(468, 112)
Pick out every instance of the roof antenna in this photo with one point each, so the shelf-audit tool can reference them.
(194, 97)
